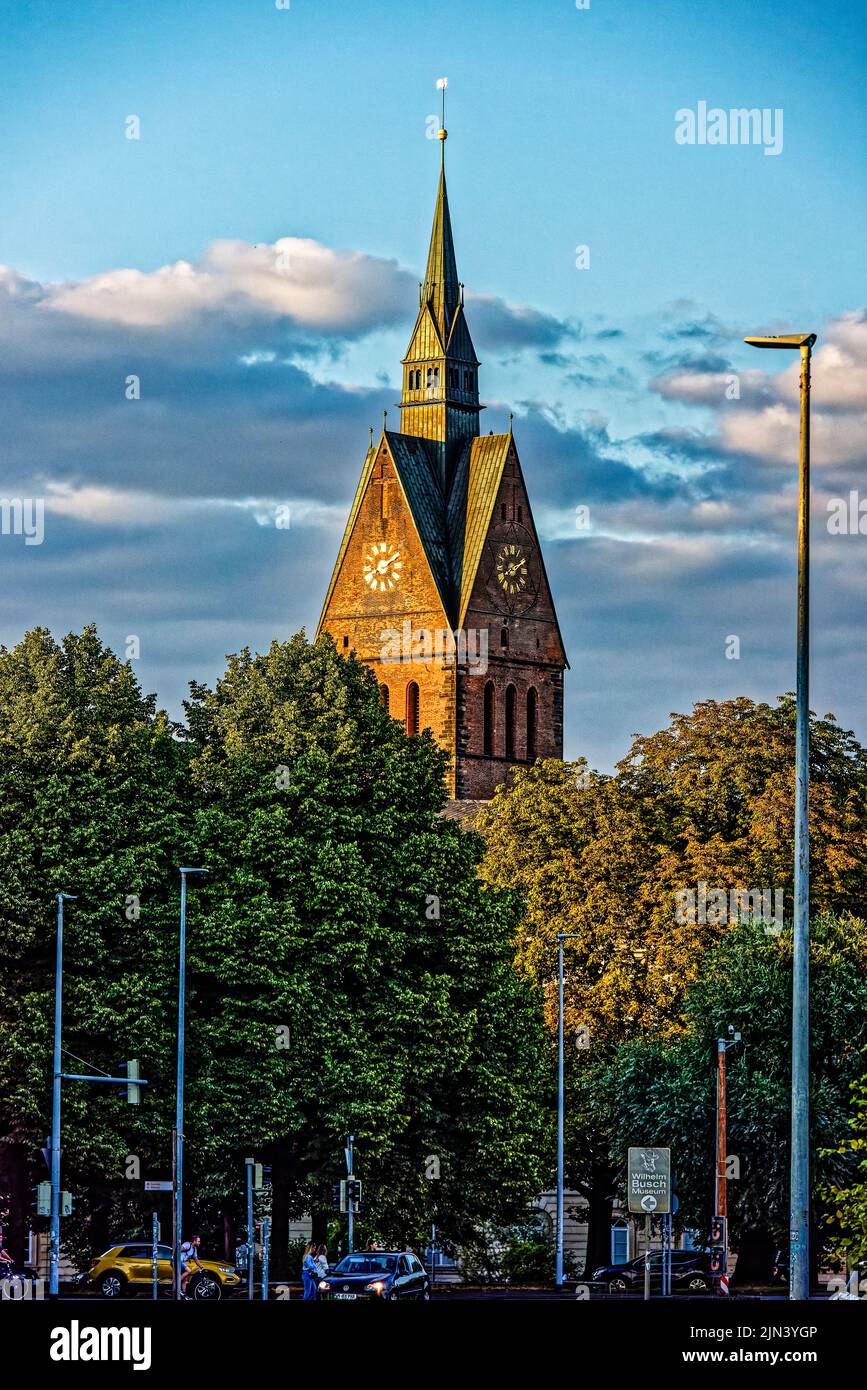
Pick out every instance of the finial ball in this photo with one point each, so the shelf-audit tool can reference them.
(442, 135)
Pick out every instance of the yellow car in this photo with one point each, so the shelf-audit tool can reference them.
(123, 1269)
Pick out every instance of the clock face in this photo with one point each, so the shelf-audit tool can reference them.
(512, 570)
(382, 567)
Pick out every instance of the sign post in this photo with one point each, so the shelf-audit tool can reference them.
(250, 1165)
(649, 1189)
(155, 1240)
(266, 1239)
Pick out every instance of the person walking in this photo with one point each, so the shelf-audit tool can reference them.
(309, 1273)
(189, 1258)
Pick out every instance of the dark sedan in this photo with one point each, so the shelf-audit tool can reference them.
(378, 1276)
(690, 1273)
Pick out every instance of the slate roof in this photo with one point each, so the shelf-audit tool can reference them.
(452, 531)
(416, 469)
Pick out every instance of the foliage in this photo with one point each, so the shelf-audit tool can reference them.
(662, 1091)
(346, 969)
(846, 1201)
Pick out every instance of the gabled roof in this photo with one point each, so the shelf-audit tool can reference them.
(353, 513)
(415, 466)
(416, 469)
(483, 465)
(452, 530)
(460, 344)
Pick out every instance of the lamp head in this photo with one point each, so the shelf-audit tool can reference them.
(783, 340)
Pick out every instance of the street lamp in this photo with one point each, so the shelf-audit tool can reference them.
(561, 937)
(799, 1262)
(54, 1238)
(177, 1191)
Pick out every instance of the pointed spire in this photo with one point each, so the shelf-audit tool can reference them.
(442, 289)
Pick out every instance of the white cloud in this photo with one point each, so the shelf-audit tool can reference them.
(294, 278)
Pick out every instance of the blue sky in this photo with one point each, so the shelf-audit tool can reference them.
(307, 128)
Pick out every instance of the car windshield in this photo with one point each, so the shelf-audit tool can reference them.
(367, 1264)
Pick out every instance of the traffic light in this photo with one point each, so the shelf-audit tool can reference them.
(66, 1204)
(353, 1190)
(43, 1199)
(133, 1091)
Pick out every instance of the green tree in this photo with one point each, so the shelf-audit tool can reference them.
(664, 1090)
(348, 972)
(710, 798)
(90, 804)
(845, 1202)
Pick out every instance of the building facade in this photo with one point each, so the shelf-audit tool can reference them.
(440, 584)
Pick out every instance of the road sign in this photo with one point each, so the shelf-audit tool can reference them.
(159, 1185)
(649, 1183)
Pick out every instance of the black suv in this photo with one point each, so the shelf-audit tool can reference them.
(690, 1273)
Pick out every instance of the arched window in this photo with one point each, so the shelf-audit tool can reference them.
(532, 720)
(412, 708)
(489, 720)
(504, 637)
(384, 697)
(510, 721)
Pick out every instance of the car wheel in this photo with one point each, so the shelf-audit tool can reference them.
(207, 1287)
(696, 1284)
(112, 1284)
(618, 1285)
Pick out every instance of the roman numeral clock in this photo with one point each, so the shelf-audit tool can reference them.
(513, 566)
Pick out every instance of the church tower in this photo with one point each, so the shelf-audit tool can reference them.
(440, 398)
(439, 583)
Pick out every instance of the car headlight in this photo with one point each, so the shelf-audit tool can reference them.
(376, 1287)
(224, 1269)
(324, 1285)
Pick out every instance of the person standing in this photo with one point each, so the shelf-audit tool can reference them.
(309, 1273)
(321, 1262)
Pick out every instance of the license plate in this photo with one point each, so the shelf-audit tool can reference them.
(346, 1295)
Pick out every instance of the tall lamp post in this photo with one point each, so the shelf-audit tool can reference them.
(54, 1238)
(799, 1261)
(178, 1188)
(561, 1107)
